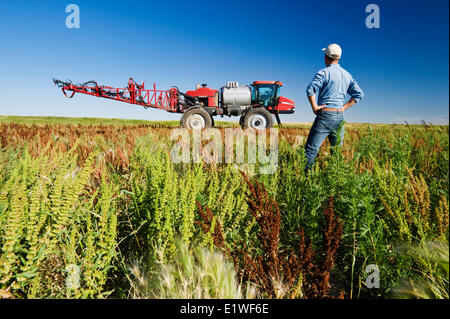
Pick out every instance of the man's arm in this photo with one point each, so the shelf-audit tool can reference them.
(349, 104)
(356, 95)
(314, 106)
(314, 87)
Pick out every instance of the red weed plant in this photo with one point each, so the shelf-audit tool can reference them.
(279, 273)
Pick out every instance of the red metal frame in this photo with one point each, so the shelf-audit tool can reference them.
(134, 94)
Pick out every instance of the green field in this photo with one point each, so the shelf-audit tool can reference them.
(96, 208)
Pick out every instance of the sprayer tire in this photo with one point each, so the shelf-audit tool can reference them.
(196, 118)
(257, 118)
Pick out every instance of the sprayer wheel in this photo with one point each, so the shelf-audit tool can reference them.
(196, 118)
(258, 118)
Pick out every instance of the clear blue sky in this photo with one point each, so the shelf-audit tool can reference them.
(403, 67)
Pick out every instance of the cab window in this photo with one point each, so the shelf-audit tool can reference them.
(266, 94)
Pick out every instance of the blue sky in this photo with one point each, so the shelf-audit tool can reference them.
(402, 66)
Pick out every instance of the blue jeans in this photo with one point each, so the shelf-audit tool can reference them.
(325, 125)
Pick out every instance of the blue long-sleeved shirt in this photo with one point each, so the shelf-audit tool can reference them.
(331, 84)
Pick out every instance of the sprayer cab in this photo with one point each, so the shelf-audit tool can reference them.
(267, 94)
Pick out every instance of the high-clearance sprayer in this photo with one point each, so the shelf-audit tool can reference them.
(255, 104)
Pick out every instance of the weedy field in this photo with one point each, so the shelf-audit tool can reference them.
(95, 208)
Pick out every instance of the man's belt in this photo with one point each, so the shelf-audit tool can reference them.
(332, 109)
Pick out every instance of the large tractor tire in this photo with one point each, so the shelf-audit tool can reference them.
(196, 118)
(258, 118)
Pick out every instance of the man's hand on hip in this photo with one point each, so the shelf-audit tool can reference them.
(318, 108)
(349, 104)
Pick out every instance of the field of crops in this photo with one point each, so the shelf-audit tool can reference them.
(93, 208)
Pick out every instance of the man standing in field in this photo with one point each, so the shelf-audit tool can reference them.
(331, 84)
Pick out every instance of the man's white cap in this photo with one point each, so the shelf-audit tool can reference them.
(333, 51)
